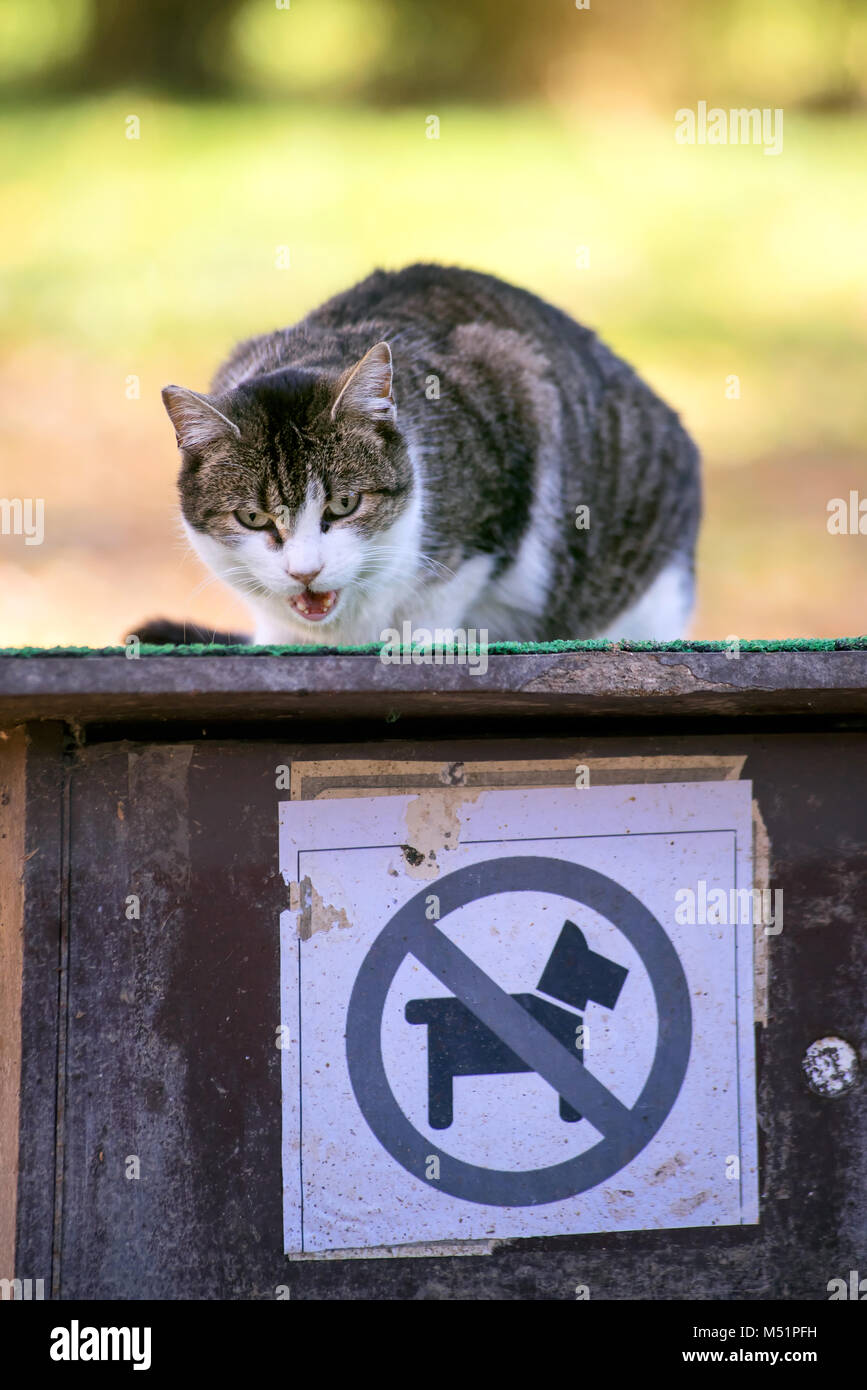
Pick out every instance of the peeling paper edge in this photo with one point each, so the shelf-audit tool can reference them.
(761, 940)
(433, 826)
(314, 914)
(389, 1252)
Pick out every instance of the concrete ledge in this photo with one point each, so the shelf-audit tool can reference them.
(323, 687)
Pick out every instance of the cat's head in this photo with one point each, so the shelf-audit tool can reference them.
(298, 488)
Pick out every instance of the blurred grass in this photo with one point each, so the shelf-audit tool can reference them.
(152, 256)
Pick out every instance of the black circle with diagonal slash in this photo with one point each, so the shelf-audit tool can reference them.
(625, 1131)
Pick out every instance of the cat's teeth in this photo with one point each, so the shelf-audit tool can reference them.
(314, 605)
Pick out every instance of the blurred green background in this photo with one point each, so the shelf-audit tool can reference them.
(283, 152)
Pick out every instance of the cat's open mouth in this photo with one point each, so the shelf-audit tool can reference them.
(314, 607)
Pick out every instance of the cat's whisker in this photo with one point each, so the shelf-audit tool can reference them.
(427, 561)
(202, 585)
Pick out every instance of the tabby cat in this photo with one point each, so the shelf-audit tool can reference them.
(438, 447)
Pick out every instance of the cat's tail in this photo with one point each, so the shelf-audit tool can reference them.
(165, 632)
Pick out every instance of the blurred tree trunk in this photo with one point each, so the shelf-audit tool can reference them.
(485, 50)
(173, 45)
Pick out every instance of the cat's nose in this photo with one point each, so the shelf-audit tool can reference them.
(305, 579)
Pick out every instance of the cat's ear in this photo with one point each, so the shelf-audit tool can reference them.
(366, 389)
(197, 420)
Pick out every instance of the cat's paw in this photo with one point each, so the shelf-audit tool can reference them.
(166, 632)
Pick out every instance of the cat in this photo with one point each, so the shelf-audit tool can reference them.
(436, 446)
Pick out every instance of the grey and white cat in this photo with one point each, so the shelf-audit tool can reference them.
(439, 447)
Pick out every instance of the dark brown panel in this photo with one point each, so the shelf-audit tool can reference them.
(172, 1025)
(39, 1159)
(13, 753)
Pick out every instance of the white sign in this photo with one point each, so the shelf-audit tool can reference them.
(517, 1013)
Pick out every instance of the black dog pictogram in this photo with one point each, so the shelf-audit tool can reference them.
(459, 1044)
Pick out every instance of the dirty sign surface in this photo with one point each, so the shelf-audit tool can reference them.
(512, 1013)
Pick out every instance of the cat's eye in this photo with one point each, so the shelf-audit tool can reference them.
(342, 505)
(254, 521)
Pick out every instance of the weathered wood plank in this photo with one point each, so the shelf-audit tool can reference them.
(613, 683)
(40, 820)
(13, 750)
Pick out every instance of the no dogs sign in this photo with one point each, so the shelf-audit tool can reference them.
(498, 1021)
